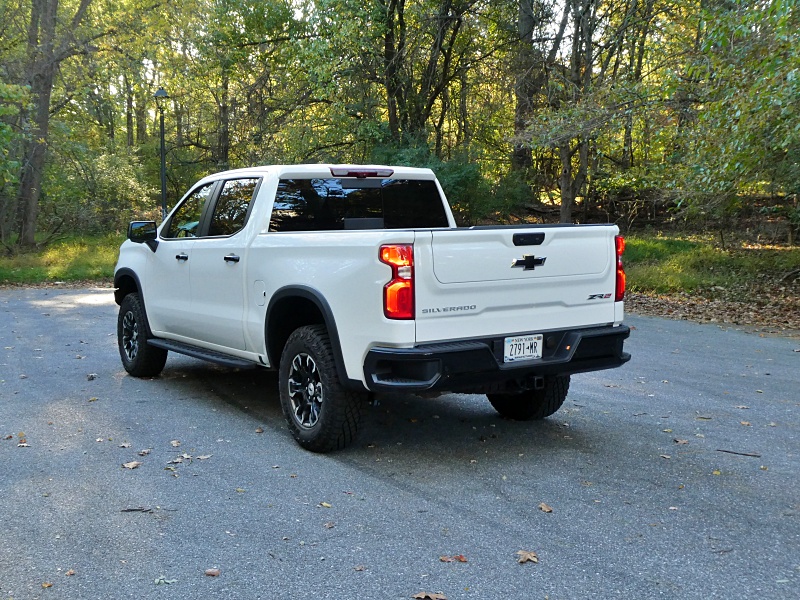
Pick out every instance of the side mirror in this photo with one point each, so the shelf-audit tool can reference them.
(144, 232)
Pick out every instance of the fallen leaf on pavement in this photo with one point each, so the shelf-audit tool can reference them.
(212, 572)
(203, 457)
(330, 525)
(359, 568)
(131, 465)
(260, 430)
(429, 596)
(680, 442)
(527, 556)
(745, 423)
(326, 505)
(70, 573)
(175, 443)
(455, 558)
(125, 445)
(144, 452)
(545, 507)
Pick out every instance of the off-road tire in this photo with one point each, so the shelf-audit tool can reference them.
(139, 358)
(533, 404)
(322, 414)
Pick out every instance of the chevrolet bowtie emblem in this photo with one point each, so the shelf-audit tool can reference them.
(529, 262)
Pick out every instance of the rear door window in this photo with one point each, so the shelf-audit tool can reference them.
(232, 206)
(330, 204)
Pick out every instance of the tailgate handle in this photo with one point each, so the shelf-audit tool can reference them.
(528, 239)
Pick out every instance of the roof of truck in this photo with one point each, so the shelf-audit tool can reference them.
(330, 170)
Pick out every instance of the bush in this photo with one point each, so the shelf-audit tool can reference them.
(95, 192)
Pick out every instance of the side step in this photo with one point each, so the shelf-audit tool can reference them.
(202, 353)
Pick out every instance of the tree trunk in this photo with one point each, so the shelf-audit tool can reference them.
(565, 184)
(45, 52)
(128, 112)
(393, 50)
(224, 141)
(571, 182)
(42, 67)
(140, 112)
(521, 156)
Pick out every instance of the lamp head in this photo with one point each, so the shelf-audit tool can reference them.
(161, 97)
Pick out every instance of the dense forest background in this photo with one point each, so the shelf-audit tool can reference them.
(632, 111)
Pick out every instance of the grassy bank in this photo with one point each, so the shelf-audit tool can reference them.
(87, 258)
(665, 265)
(655, 264)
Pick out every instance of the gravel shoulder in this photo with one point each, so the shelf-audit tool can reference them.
(770, 314)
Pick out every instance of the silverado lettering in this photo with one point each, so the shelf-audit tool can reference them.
(427, 311)
(352, 280)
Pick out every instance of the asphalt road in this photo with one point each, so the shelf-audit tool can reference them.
(649, 497)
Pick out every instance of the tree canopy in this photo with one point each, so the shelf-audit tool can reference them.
(527, 109)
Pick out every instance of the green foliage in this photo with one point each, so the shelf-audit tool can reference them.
(11, 98)
(72, 259)
(94, 191)
(694, 102)
(468, 192)
(747, 133)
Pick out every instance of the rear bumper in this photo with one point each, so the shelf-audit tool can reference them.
(477, 365)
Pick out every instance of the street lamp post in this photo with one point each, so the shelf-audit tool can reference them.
(161, 97)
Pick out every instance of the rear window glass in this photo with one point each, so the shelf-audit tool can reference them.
(337, 204)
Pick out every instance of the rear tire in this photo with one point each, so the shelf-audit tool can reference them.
(139, 358)
(533, 404)
(322, 414)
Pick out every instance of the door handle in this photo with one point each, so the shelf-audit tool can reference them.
(231, 258)
(182, 256)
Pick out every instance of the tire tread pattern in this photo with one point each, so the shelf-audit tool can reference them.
(149, 360)
(533, 404)
(340, 416)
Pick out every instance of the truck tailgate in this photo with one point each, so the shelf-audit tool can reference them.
(506, 280)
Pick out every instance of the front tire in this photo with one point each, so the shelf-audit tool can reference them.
(139, 358)
(533, 404)
(322, 414)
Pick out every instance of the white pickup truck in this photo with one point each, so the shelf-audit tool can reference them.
(351, 280)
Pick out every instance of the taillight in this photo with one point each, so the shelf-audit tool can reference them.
(619, 242)
(398, 294)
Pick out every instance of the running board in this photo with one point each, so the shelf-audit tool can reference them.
(202, 353)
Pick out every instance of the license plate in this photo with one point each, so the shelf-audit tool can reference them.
(524, 347)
